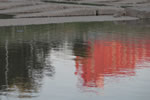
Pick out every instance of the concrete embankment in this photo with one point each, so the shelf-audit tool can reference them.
(24, 10)
(140, 12)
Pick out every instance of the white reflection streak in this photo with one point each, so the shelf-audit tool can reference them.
(7, 64)
(31, 51)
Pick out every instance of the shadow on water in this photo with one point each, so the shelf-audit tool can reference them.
(100, 50)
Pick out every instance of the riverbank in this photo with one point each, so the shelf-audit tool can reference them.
(36, 21)
(26, 12)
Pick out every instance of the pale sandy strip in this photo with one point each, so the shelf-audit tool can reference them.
(35, 21)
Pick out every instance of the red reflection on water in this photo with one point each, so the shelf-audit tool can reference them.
(110, 59)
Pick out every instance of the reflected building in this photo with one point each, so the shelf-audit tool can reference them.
(110, 59)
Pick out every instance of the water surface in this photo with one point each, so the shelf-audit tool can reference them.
(96, 60)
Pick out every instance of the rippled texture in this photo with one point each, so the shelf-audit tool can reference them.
(97, 60)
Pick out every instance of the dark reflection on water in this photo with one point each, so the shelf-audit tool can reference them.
(22, 65)
(99, 50)
(5, 16)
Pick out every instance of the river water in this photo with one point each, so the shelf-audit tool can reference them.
(76, 61)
